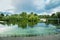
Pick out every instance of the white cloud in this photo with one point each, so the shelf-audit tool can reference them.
(39, 4)
(5, 5)
(42, 4)
(35, 5)
(57, 9)
(53, 10)
(47, 2)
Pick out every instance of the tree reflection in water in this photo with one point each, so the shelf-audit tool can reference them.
(22, 23)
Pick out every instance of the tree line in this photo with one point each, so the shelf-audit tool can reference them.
(30, 17)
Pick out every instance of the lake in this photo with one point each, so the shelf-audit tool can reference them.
(38, 29)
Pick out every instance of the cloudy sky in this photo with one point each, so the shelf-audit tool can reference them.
(38, 6)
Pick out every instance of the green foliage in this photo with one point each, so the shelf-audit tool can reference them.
(29, 18)
(55, 18)
(1, 16)
(21, 19)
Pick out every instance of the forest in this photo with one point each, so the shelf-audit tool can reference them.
(31, 18)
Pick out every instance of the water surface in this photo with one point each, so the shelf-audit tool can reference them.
(26, 30)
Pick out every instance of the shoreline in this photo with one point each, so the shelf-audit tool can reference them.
(50, 37)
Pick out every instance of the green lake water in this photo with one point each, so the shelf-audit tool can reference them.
(28, 30)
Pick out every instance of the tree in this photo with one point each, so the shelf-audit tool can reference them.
(55, 18)
(1, 14)
(23, 14)
(35, 14)
(32, 13)
(58, 14)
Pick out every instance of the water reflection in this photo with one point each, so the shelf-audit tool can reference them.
(22, 24)
(23, 28)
